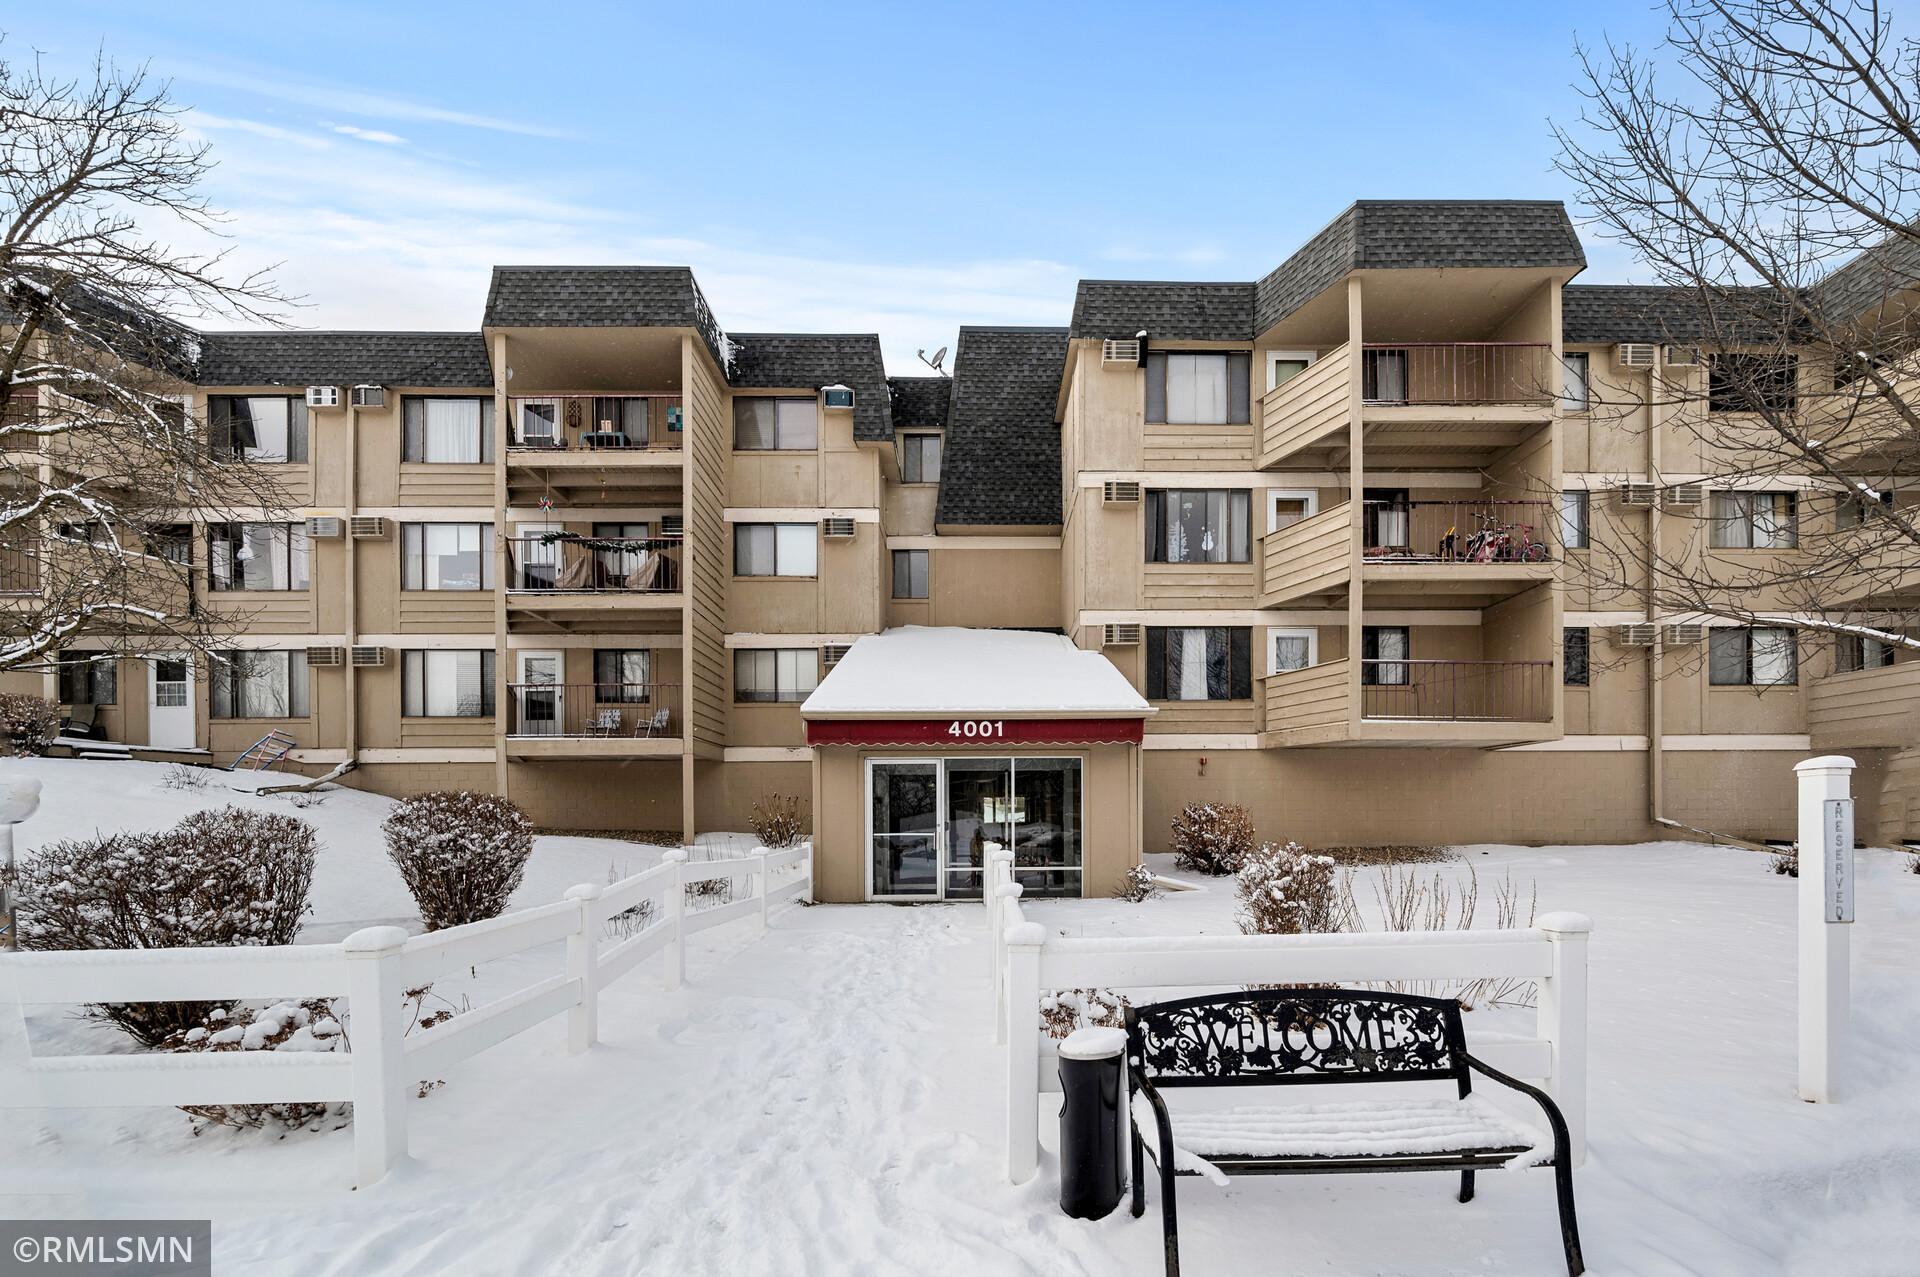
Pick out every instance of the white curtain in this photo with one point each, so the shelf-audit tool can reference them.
(1290, 652)
(795, 549)
(453, 430)
(1193, 665)
(1773, 657)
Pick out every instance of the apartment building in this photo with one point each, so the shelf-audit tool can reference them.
(1312, 543)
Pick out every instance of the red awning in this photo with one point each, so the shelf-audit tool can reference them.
(974, 731)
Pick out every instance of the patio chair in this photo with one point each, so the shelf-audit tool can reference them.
(82, 721)
(606, 720)
(655, 726)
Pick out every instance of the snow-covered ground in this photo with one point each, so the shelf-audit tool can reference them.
(827, 1099)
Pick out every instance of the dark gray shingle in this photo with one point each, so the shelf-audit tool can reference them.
(920, 401)
(1167, 311)
(1001, 463)
(600, 297)
(1602, 314)
(772, 361)
(453, 360)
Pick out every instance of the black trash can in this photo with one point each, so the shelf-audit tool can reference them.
(1091, 1175)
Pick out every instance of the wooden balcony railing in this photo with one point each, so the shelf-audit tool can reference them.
(595, 565)
(1457, 372)
(1459, 532)
(1306, 409)
(19, 571)
(594, 711)
(594, 423)
(1458, 691)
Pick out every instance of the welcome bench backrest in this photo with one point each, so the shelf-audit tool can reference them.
(1292, 1036)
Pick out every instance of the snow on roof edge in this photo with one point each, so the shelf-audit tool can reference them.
(931, 670)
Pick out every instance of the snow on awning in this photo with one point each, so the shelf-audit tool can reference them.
(1041, 688)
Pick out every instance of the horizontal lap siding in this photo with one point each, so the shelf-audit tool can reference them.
(1191, 586)
(707, 540)
(446, 611)
(446, 485)
(276, 612)
(446, 733)
(1306, 558)
(1866, 709)
(1314, 697)
(1215, 447)
(1309, 407)
(1205, 717)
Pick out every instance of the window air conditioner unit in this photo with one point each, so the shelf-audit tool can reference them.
(832, 654)
(837, 398)
(369, 396)
(673, 525)
(1636, 494)
(323, 396)
(1685, 496)
(367, 527)
(1120, 492)
(1117, 352)
(1683, 356)
(1122, 635)
(326, 657)
(840, 526)
(1634, 354)
(369, 657)
(323, 527)
(1686, 635)
(1639, 634)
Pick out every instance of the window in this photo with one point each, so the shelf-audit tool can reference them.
(1751, 383)
(774, 674)
(1198, 389)
(1575, 389)
(1284, 365)
(257, 556)
(537, 423)
(1575, 648)
(257, 428)
(259, 685)
(785, 425)
(1196, 664)
(1856, 508)
(621, 675)
(1576, 509)
(1752, 656)
(88, 678)
(1386, 518)
(1858, 652)
(775, 549)
(446, 431)
(919, 458)
(88, 532)
(1753, 521)
(445, 556)
(1198, 525)
(621, 421)
(446, 684)
(172, 542)
(1291, 650)
(1383, 648)
(910, 574)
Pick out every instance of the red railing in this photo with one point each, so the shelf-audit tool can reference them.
(594, 711)
(1456, 372)
(1458, 691)
(595, 423)
(595, 565)
(1518, 531)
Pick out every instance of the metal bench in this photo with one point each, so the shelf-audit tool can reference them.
(1294, 1037)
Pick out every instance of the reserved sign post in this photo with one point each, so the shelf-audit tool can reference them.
(1825, 908)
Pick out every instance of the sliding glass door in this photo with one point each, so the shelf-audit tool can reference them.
(932, 822)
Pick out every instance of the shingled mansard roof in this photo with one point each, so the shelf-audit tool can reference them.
(451, 360)
(789, 361)
(920, 401)
(601, 297)
(1001, 463)
(1105, 308)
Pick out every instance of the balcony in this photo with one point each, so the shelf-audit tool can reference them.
(19, 571)
(593, 720)
(1866, 709)
(1307, 559)
(1474, 552)
(566, 580)
(594, 449)
(1412, 702)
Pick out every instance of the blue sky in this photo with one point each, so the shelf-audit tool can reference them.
(865, 167)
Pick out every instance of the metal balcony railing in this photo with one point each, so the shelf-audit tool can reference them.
(594, 711)
(1457, 691)
(19, 571)
(1459, 531)
(594, 423)
(564, 564)
(1457, 372)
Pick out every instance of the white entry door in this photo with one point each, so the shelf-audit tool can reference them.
(170, 702)
(1289, 506)
(539, 698)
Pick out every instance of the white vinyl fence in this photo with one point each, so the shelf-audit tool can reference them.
(1026, 961)
(372, 969)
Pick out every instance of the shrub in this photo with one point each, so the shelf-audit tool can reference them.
(1137, 885)
(227, 877)
(1212, 838)
(778, 820)
(28, 724)
(1913, 862)
(461, 854)
(709, 893)
(1064, 1010)
(1786, 861)
(184, 776)
(1286, 890)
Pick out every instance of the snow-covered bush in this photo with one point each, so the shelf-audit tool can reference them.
(1913, 862)
(1286, 890)
(1212, 838)
(1137, 884)
(227, 877)
(28, 724)
(1064, 1010)
(309, 1025)
(1786, 862)
(461, 854)
(184, 776)
(778, 820)
(709, 893)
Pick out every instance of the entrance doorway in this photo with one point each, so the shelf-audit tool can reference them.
(932, 820)
(539, 696)
(170, 702)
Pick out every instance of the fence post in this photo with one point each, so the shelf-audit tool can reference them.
(1024, 942)
(1562, 1019)
(376, 990)
(1005, 891)
(760, 876)
(583, 964)
(674, 963)
(1825, 907)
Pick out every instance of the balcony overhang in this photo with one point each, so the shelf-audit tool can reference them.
(565, 747)
(590, 358)
(609, 611)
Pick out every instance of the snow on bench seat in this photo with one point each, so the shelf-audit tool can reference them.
(1361, 1128)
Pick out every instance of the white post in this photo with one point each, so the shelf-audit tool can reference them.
(674, 962)
(1023, 1050)
(583, 964)
(375, 1000)
(1005, 891)
(766, 887)
(1562, 1020)
(19, 799)
(1825, 906)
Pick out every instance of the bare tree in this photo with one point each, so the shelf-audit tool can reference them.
(1764, 165)
(102, 464)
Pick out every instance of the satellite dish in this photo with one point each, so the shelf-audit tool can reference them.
(939, 357)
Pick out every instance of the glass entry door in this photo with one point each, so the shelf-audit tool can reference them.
(930, 822)
(904, 829)
(979, 809)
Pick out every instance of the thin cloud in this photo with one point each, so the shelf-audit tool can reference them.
(348, 100)
(369, 135)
